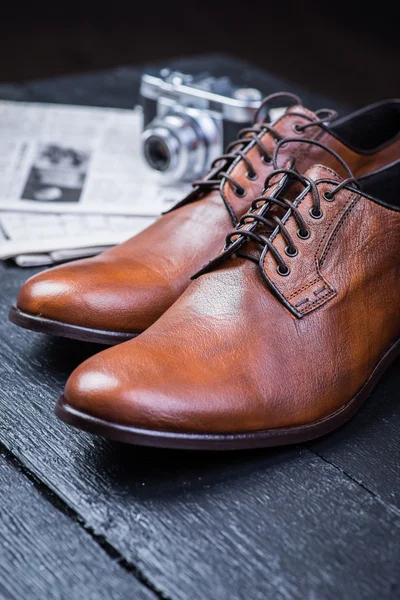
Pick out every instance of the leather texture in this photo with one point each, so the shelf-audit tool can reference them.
(230, 357)
(129, 287)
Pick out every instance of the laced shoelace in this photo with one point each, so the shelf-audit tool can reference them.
(272, 223)
(236, 149)
(325, 116)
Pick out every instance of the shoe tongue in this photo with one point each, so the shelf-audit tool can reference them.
(321, 172)
(285, 122)
(301, 110)
(315, 173)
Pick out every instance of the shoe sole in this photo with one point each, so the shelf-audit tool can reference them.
(74, 332)
(235, 441)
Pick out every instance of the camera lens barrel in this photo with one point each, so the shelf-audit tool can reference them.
(180, 146)
(160, 149)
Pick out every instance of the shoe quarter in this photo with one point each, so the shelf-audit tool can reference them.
(306, 287)
(361, 259)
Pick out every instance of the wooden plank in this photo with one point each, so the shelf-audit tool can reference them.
(271, 524)
(368, 447)
(44, 554)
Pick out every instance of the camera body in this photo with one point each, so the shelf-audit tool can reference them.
(189, 120)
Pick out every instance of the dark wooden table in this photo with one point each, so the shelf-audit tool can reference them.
(84, 518)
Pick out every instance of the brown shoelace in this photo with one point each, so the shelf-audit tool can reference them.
(272, 225)
(237, 149)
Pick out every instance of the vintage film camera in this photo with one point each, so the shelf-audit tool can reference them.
(189, 120)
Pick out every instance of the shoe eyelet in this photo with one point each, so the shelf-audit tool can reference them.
(240, 192)
(267, 160)
(305, 236)
(291, 254)
(251, 175)
(297, 128)
(328, 197)
(283, 272)
(316, 215)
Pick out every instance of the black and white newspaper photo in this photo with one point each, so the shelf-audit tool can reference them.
(57, 158)
(69, 181)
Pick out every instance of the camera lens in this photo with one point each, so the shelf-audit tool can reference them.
(157, 153)
(179, 145)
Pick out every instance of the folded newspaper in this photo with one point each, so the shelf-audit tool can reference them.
(72, 181)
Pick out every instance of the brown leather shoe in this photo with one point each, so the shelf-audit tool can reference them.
(115, 296)
(280, 339)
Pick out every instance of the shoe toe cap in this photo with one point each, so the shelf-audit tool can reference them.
(52, 294)
(39, 295)
(104, 387)
(95, 294)
(144, 385)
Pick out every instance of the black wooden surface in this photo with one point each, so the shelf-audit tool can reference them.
(319, 521)
(45, 552)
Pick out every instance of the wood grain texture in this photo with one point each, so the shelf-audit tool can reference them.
(316, 522)
(45, 554)
(368, 447)
(270, 524)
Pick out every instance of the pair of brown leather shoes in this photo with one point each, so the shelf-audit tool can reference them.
(283, 335)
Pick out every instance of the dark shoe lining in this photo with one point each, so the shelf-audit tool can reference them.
(371, 127)
(383, 185)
